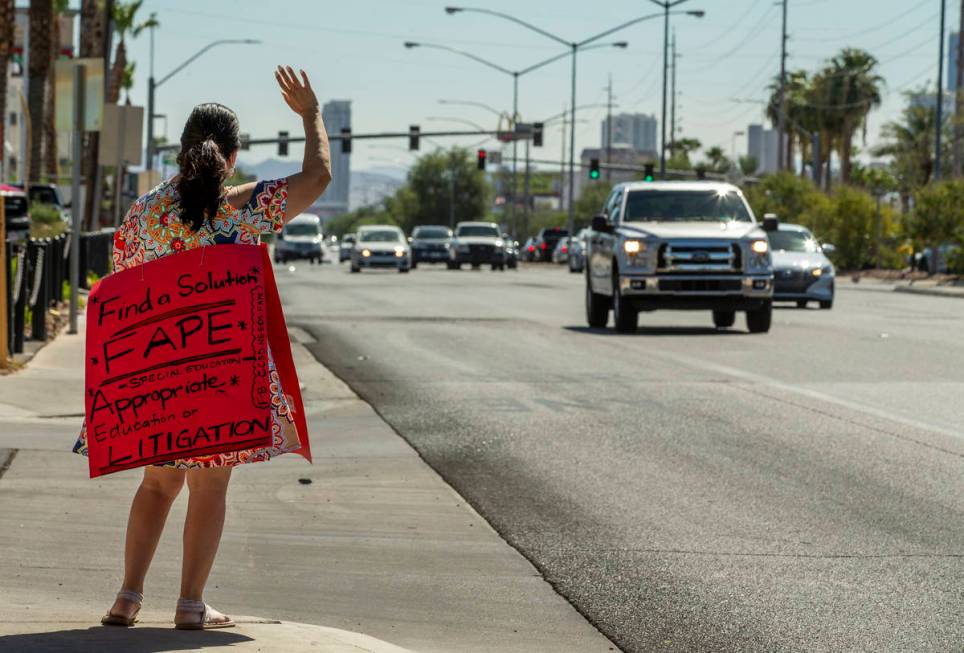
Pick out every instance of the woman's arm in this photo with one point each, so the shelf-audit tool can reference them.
(306, 186)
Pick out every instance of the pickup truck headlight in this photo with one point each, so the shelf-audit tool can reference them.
(399, 251)
(366, 253)
(760, 246)
(634, 247)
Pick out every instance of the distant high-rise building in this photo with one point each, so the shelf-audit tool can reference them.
(763, 145)
(952, 42)
(337, 116)
(637, 130)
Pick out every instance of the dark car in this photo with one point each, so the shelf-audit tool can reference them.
(17, 210)
(346, 247)
(430, 244)
(47, 194)
(545, 243)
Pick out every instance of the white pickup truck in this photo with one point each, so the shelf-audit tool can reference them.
(678, 245)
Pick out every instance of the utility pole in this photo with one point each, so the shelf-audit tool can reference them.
(609, 127)
(672, 111)
(781, 118)
(562, 161)
(959, 96)
(940, 98)
(662, 123)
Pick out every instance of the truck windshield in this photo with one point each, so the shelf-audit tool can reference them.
(478, 230)
(684, 206)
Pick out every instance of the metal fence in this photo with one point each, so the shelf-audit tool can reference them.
(37, 269)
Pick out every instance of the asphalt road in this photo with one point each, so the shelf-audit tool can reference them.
(686, 489)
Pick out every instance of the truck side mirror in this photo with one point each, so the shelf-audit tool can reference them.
(601, 223)
(770, 222)
(828, 249)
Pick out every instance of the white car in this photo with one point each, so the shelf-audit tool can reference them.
(476, 243)
(381, 246)
(801, 270)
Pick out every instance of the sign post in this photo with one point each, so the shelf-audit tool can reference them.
(76, 209)
(4, 269)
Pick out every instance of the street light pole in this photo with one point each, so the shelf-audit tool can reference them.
(940, 98)
(662, 123)
(781, 119)
(152, 85)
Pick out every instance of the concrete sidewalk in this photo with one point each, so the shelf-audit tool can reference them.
(916, 287)
(366, 550)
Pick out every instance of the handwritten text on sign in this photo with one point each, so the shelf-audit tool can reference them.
(177, 359)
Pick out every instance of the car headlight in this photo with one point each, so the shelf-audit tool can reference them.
(819, 272)
(634, 247)
(760, 247)
(366, 252)
(399, 251)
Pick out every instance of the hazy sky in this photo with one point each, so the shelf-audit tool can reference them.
(353, 50)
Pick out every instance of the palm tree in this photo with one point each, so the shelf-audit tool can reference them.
(128, 82)
(717, 160)
(41, 17)
(93, 27)
(909, 141)
(795, 97)
(854, 88)
(6, 44)
(50, 109)
(125, 23)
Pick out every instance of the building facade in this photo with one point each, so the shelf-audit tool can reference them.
(763, 145)
(638, 130)
(337, 116)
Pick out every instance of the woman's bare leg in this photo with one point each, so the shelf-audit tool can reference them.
(149, 510)
(202, 531)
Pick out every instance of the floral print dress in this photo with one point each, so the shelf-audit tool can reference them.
(153, 228)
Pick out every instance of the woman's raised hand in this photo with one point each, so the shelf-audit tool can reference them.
(297, 93)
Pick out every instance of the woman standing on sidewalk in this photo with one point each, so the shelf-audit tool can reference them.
(195, 209)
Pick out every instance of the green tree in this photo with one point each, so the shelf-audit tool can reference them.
(439, 182)
(910, 144)
(717, 161)
(938, 217)
(125, 24)
(680, 151)
(748, 165)
(800, 118)
(591, 202)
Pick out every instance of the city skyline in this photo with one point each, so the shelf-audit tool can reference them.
(364, 61)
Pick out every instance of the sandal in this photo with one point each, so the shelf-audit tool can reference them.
(111, 619)
(208, 616)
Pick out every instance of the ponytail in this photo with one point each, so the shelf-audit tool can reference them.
(210, 137)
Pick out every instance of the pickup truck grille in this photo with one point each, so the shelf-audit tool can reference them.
(700, 285)
(700, 257)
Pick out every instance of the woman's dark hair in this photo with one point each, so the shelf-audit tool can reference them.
(210, 136)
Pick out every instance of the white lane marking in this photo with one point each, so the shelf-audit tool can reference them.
(760, 379)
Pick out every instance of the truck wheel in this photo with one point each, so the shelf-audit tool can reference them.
(724, 319)
(827, 305)
(597, 308)
(802, 303)
(758, 321)
(625, 317)
(452, 266)
(414, 264)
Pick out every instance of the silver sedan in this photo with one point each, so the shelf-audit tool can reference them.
(801, 270)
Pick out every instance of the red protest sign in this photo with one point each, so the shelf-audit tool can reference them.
(281, 350)
(177, 359)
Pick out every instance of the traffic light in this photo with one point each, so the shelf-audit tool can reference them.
(648, 172)
(346, 140)
(537, 134)
(480, 160)
(594, 168)
(282, 143)
(413, 132)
